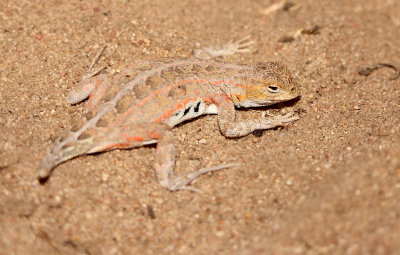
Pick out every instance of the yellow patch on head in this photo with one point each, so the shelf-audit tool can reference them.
(237, 98)
(256, 92)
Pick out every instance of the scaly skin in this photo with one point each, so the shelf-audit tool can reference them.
(141, 105)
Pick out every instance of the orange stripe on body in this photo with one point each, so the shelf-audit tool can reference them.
(217, 82)
(123, 116)
(130, 139)
(178, 106)
(114, 146)
(134, 139)
(154, 135)
(225, 96)
(155, 93)
(129, 111)
(144, 101)
(210, 100)
(167, 113)
(187, 100)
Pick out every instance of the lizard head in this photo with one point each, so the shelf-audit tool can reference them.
(273, 83)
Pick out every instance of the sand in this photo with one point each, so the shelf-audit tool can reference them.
(326, 184)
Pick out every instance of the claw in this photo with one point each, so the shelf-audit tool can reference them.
(181, 183)
(240, 46)
(232, 47)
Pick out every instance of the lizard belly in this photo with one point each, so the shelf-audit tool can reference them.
(211, 109)
(191, 110)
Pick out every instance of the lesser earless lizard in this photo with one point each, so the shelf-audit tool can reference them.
(140, 105)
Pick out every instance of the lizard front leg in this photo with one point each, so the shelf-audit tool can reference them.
(230, 128)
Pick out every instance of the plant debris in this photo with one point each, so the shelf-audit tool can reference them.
(281, 5)
(311, 31)
(366, 71)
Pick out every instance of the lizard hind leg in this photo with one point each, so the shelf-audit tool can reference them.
(138, 134)
(94, 88)
(165, 163)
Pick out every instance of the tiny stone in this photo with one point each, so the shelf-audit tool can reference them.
(104, 177)
(219, 233)
(88, 216)
(57, 199)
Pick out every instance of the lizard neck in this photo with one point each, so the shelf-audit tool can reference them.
(238, 94)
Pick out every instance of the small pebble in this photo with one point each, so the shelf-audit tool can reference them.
(203, 141)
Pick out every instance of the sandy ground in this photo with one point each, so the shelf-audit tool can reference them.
(326, 184)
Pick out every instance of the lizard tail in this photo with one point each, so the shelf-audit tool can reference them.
(62, 150)
(46, 166)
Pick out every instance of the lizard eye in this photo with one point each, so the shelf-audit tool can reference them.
(273, 89)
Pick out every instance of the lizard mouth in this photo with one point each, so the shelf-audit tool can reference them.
(292, 94)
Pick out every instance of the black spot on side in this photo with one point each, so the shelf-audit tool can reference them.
(187, 110)
(197, 107)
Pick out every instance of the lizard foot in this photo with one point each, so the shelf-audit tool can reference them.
(181, 183)
(240, 46)
(232, 47)
(283, 119)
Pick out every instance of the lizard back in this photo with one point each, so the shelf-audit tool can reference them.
(170, 92)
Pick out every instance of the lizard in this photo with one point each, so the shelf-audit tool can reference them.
(141, 105)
